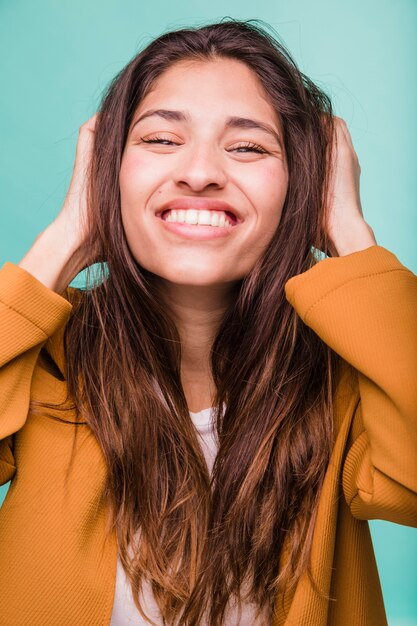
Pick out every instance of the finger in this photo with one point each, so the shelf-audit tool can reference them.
(90, 124)
(343, 131)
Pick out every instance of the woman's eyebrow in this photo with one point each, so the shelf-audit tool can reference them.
(232, 122)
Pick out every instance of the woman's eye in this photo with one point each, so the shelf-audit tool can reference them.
(157, 140)
(253, 147)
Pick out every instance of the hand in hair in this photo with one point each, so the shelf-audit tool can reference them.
(73, 215)
(61, 251)
(345, 224)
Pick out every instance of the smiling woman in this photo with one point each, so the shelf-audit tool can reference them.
(204, 156)
(200, 435)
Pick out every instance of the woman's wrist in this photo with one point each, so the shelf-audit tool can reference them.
(354, 237)
(49, 258)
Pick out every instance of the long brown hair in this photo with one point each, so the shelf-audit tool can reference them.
(196, 538)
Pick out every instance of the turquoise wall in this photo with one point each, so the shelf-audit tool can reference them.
(56, 57)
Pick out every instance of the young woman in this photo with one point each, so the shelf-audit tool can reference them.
(199, 435)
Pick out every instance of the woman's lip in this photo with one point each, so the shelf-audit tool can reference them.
(197, 231)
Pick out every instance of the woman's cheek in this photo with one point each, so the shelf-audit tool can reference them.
(277, 183)
(269, 187)
(137, 169)
(132, 166)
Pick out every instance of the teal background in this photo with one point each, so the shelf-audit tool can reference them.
(56, 57)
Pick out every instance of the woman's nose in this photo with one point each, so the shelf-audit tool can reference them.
(200, 167)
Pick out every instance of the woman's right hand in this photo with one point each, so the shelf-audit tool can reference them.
(73, 215)
(59, 253)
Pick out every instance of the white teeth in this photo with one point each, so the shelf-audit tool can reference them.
(191, 216)
(203, 217)
(214, 218)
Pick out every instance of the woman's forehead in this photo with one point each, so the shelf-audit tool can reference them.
(220, 88)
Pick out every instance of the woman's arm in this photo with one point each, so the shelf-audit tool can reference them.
(364, 306)
(31, 307)
(30, 313)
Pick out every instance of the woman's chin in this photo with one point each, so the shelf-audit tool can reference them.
(195, 277)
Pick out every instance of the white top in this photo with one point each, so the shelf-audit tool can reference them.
(125, 612)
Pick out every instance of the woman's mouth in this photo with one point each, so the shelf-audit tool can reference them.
(203, 217)
(198, 224)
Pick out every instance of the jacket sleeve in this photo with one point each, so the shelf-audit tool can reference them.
(364, 306)
(30, 313)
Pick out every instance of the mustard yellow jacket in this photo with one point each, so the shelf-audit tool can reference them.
(58, 567)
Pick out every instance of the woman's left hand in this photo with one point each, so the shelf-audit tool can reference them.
(346, 228)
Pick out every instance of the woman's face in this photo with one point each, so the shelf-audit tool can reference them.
(199, 157)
